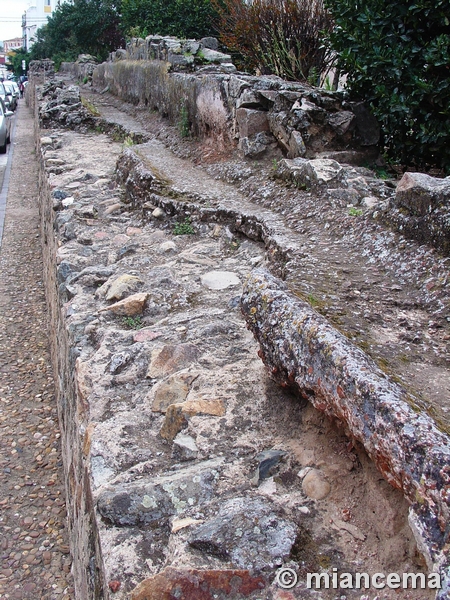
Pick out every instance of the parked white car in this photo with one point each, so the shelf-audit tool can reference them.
(16, 89)
(11, 95)
(5, 127)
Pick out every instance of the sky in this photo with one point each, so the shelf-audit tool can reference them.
(11, 12)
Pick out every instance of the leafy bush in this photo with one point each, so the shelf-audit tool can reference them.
(182, 18)
(281, 37)
(184, 228)
(397, 56)
(15, 60)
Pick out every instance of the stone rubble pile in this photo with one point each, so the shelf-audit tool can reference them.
(62, 106)
(182, 55)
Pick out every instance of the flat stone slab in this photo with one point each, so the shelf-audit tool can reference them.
(220, 280)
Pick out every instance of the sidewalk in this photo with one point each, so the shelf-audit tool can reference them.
(35, 562)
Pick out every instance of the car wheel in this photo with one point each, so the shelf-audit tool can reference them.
(8, 139)
(3, 148)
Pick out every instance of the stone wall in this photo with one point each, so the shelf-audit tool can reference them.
(71, 400)
(165, 452)
(190, 82)
(82, 69)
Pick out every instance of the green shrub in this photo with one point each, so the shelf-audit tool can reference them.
(183, 122)
(132, 322)
(397, 56)
(184, 228)
(182, 18)
(281, 37)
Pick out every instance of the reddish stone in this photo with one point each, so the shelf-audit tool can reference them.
(114, 585)
(146, 334)
(196, 584)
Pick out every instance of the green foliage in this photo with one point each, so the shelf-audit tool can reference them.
(281, 37)
(182, 18)
(183, 122)
(133, 322)
(355, 212)
(79, 27)
(184, 228)
(16, 58)
(397, 56)
(90, 107)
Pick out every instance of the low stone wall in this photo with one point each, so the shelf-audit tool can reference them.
(85, 547)
(82, 69)
(420, 209)
(209, 99)
(304, 352)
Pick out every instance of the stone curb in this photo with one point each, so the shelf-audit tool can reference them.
(303, 351)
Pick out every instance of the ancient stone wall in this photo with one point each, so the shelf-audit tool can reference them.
(199, 88)
(71, 400)
(166, 452)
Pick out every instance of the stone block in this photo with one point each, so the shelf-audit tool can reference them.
(250, 122)
(199, 584)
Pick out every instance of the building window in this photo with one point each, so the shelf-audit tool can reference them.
(47, 6)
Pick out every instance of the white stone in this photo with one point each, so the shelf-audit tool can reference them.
(220, 280)
(158, 213)
(168, 246)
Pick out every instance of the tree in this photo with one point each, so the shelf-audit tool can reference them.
(16, 58)
(282, 37)
(79, 26)
(397, 56)
(181, 18)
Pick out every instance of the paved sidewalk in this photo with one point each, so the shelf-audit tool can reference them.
(35, 560)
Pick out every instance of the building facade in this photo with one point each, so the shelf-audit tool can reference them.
(34, 18)
(11, 45)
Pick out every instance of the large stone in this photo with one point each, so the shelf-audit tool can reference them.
(421, 209)
(296, 145)
(420, 194)
(144, 502)
(177, 414)
(251, 122)
(247, 533)
(315, 485)
(341, 121)
(121, 287)
(184, 448)
(129, 307)
(315, 173)
(198, 584)
(212, 56)
(220, 280)
(172, 390)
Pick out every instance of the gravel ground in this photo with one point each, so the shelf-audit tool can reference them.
(35, 560)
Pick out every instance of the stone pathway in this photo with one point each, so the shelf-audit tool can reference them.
(35, 561)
